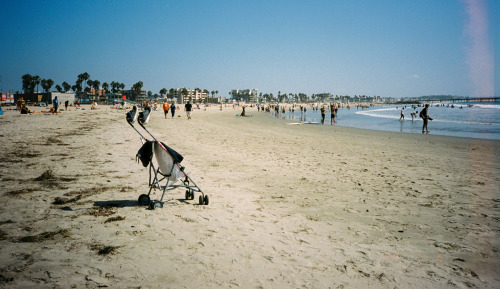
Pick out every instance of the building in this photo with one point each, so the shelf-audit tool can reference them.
(47, 97)
(130, 94)
(249, 95)
(194, 96)
(7, 98)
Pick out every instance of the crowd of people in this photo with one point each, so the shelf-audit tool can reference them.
(277, 110)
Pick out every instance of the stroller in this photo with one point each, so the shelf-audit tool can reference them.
(165, 168)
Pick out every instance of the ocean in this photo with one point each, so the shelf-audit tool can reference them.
(463, 119)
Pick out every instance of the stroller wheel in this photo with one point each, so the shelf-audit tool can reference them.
(188, 195)
(202, 201)
(192, 195)
(144, 200)
(205, 199)
(155, 204)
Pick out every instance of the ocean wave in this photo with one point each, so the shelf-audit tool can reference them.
(376, 113)
(488, 106)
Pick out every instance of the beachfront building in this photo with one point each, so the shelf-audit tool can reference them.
(7, 98)
(192, 95)
(47, 97)
(247, 95)
(130, 95)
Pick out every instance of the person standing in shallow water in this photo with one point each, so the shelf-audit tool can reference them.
(323, 114)
(332, 113)
(424, 114)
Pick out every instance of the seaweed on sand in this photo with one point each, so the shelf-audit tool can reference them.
(50, 180)
(19, 192)
(104, 250)
(3, 235)
(101, 211)
(62, 201)
(44, 236)
(114, 219)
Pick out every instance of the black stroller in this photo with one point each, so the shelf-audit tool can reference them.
(163, 167)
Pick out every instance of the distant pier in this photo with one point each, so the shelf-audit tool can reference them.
(436, 100)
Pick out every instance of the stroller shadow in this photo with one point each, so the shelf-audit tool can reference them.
(117, 203)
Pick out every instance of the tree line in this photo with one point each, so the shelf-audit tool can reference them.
(84, 84)
(297, 97)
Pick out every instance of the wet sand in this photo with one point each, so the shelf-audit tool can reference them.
(291, 206)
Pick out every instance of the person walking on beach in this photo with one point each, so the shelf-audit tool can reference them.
(66, 103)
(424, 114)
(55, 102)
(165, 108)
(323, 114)
(188, 107)
(402, 114)
(172, 109)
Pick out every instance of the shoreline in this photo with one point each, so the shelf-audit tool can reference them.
(381, 123)
(290, 205)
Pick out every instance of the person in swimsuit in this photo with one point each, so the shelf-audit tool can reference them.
(424, 114)
(332, 114)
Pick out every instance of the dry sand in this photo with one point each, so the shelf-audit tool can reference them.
(291, 206)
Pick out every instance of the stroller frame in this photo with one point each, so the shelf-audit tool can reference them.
(156, 177)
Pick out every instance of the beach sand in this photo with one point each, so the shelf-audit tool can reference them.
(291, 206)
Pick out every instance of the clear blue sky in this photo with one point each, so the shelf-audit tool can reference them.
(399, 48)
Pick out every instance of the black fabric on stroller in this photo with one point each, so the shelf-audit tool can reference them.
(145, 153)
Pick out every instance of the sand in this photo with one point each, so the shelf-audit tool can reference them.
(291, 206)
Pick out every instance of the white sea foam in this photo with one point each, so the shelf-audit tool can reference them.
(488, 106)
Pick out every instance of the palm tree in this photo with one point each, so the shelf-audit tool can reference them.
(85, 77)
(47, 84)
(36, 81)
(28, 86)
(90, 83)
(205, 91)
(66, 86)
(59, 88)
(95, 86)
(163, 91)
(184, 92)
(171, 92)
(137, 88)
(105, 87)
